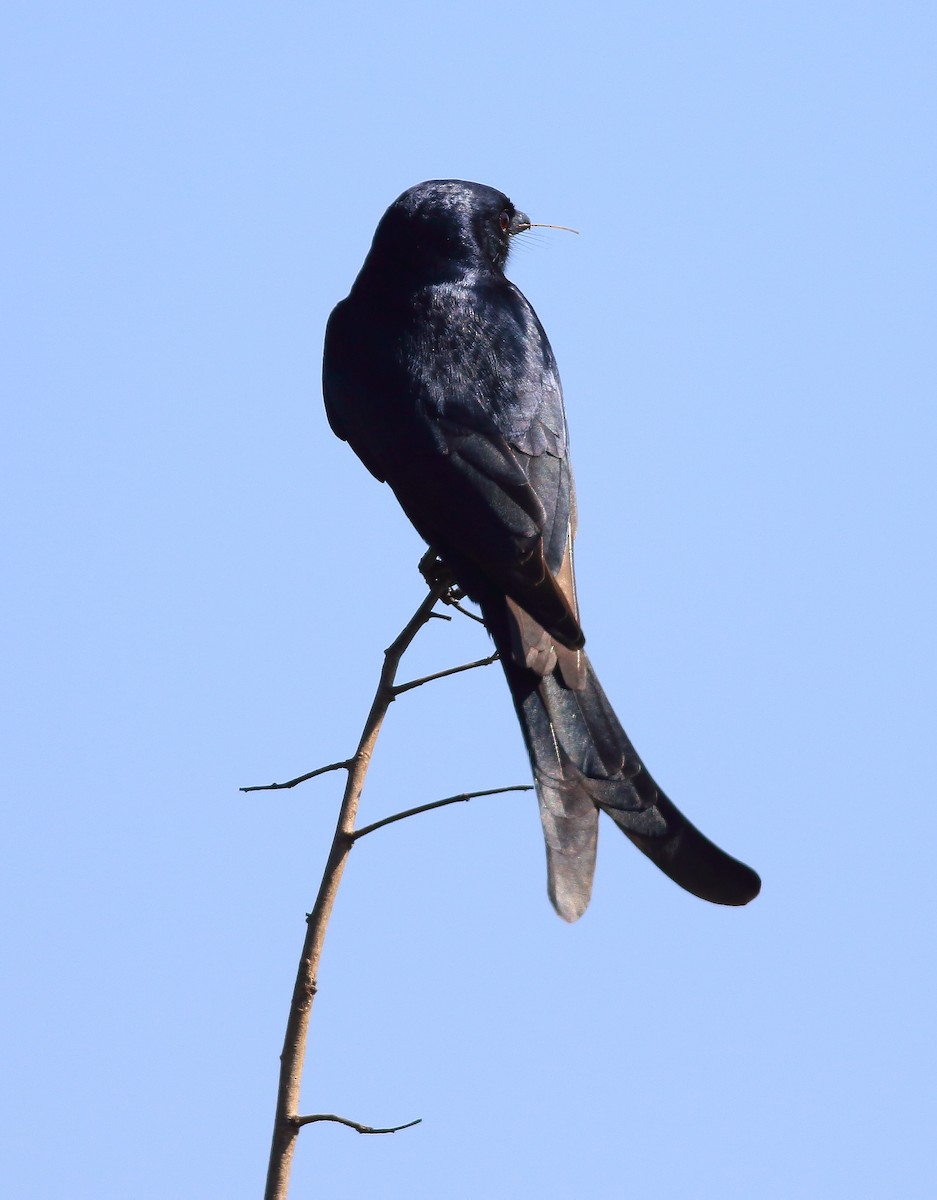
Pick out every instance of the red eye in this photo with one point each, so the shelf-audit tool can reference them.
(504, 221)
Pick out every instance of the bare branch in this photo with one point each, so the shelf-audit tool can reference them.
(285, 1128)
(464, 611)
(400, 688)
(422, 808)
(345, 764)
(300, 1121)
(287, 1122)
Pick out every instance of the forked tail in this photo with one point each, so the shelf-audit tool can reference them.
(583, 761)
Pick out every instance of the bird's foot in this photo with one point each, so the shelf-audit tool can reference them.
(437, 574)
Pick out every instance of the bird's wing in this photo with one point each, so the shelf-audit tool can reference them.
(501, 426)
(473, 444)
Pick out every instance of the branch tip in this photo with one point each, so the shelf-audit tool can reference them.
(461, 798)
(464, 611)
(299, 1122)
(400, 688)
(344, 765)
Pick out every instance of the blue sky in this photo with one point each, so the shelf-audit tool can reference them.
(200, 581)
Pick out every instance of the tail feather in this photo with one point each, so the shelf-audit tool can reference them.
(584, 761)
(570, 830)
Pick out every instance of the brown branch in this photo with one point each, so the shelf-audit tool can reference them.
(464, 611)
(274, 787)
(300, 1121)
(400, 688)
(285, 1128)
(422, 808)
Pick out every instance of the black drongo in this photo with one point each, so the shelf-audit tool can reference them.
(439, 375)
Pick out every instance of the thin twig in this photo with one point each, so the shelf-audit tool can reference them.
(300, 1121)
(400, 688)
(422, 808)
(464, 611)
(345, 764)
(285, 1129)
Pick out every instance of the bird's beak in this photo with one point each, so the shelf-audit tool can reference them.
(522, 221)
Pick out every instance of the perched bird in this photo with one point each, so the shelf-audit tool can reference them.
(440, 377)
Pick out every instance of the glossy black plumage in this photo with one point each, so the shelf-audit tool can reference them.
(440, 376)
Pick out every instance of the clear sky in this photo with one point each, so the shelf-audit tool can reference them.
(200, 581)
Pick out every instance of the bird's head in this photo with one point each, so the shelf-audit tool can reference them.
(446, 226)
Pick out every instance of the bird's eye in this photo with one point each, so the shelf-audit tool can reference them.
(504, 221)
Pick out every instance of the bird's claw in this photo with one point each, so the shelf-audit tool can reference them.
(437, 574)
